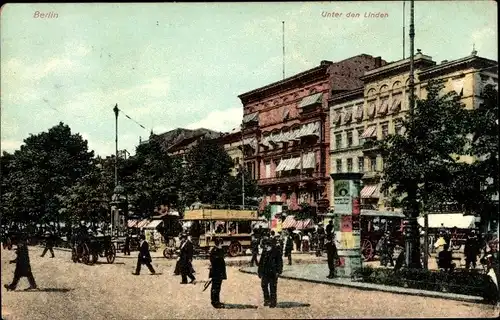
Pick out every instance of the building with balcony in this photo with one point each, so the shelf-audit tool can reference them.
(371, 112)
(286, 131)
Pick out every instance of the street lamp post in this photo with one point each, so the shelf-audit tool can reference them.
(242, 170)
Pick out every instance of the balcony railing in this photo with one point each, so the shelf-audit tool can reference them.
(305, 177)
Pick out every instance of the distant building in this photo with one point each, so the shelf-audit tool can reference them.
(232, 143)
(286, 131)
(375, 109)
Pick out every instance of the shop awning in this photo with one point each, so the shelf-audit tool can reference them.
(289, 222)
(142, 223)
(383, 107)
(250, 117)
(310, 100)
(369, 132)
(359, 113)
(308, 161)
(282, 165)
(153, 224)
(312, 129)
(304, 224)
(368, 191)
(132, 223)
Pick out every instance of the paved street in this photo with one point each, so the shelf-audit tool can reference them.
(76, 291)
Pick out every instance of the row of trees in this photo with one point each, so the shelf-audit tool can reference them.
(54, 177)
(428, 161)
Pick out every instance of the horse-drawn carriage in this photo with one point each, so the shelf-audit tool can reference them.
(89, 250)
(374, 224)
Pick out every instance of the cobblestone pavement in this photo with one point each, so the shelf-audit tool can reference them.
(109, 291)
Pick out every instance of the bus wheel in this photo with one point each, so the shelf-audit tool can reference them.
(234, 249)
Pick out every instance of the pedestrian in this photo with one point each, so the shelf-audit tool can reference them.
(331, 255)
(126, 246)
(217, 272)
(329, 227)
(445, 259)
(270, 267)
(471, 250)
(305, 242)
(144, 256)
(491, 293)
(321, 239)
(289, 248)
(49, 244)
(23, 267)
(386, 250)
(255, 250)
(298, 240)
(185, 260)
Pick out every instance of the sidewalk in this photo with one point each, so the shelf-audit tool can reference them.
(317, 273)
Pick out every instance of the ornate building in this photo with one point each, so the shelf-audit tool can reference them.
(375, 109)
(286, 131)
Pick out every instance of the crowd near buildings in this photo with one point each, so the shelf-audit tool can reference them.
(297, 131)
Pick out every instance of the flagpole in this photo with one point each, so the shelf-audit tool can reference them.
(283, 22)
(404, 26)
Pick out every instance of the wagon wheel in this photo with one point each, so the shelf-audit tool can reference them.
(234, 249)
(367, 250)
(86, 258)
(110, 253)
(168, 252)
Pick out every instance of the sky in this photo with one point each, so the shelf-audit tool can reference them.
(183, 65)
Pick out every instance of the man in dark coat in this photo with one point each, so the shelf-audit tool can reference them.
(289, 248)
(331, 255)
(126, 247)
(270, 267)
(255, 250)
(329, 228)
(23, 267)
(50, 240)
(144, 256)
(217, 273)
(321, 240)
(471, 250)
(185, 260)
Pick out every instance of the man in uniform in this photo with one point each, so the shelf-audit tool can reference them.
(217, 272)
(144, 256)
(185, 260)
(255, 249)
(331, 255)
(23, 267)
(270, 267)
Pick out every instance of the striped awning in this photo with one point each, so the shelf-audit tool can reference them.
(308, 161)
(304, 224)
(368, 191)
(142, 223)
(396, 106)
(250, 117)
(371, 109)
(336, 117)
(369, 132)
(383, 107)
(132, 223)
(310, 100)
(288, 223)
(282, 165)
(348, 116)
(292, 164)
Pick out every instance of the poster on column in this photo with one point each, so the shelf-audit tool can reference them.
(342, 199)
(347, 240)
(346, 225)
(338, 240)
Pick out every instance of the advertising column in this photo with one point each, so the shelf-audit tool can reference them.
(347, 222)
(276, 211)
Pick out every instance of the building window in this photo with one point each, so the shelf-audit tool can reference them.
(349, 165)
(349, 139)
(360, 133)
(373, 164)
(268, 170)
(385, 130)
(339, 165)
(398, 127)
(361, 164)
(338, 141)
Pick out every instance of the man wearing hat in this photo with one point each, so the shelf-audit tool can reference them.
(471, 250)
(289, 247)
(49, 244)
(331, 254)
(270, 267)
(144, 256)
(185, 259)
(23, 267)
(255, 249)
(217, 272)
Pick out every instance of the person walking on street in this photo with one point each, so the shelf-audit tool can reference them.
(144, 256)
(126, 247)
(185, 260)
(255, 250)
(329, 228)
(23, 267)
(471, 250)
(217, 273)
(321, 240)
(331, 255)
(49, 244)
(289, 247)
(270, 267)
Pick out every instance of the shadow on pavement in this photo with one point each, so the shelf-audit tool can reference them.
(100, 262)
(238, 306)
(49, 290)
(292, 305)
(156, 274)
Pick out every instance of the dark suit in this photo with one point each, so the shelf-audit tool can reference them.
(255, 251)
(217, 273)
(289, 249)
(126, 247)
(144, 257)
(23, 267)
(332, 255)
(329, 229)
(270, 267)
(185, 258)
(50, 241)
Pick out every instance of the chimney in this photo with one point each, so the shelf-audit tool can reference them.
(444, 61)
(378, 62)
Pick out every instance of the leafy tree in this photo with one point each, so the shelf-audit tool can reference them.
(44, 166)
(305, 211)
(266, 213)
(207, 173)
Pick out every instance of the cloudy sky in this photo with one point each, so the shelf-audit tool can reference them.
(183, 65)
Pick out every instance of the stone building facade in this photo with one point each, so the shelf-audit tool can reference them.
(286, 126)
(374, 110)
